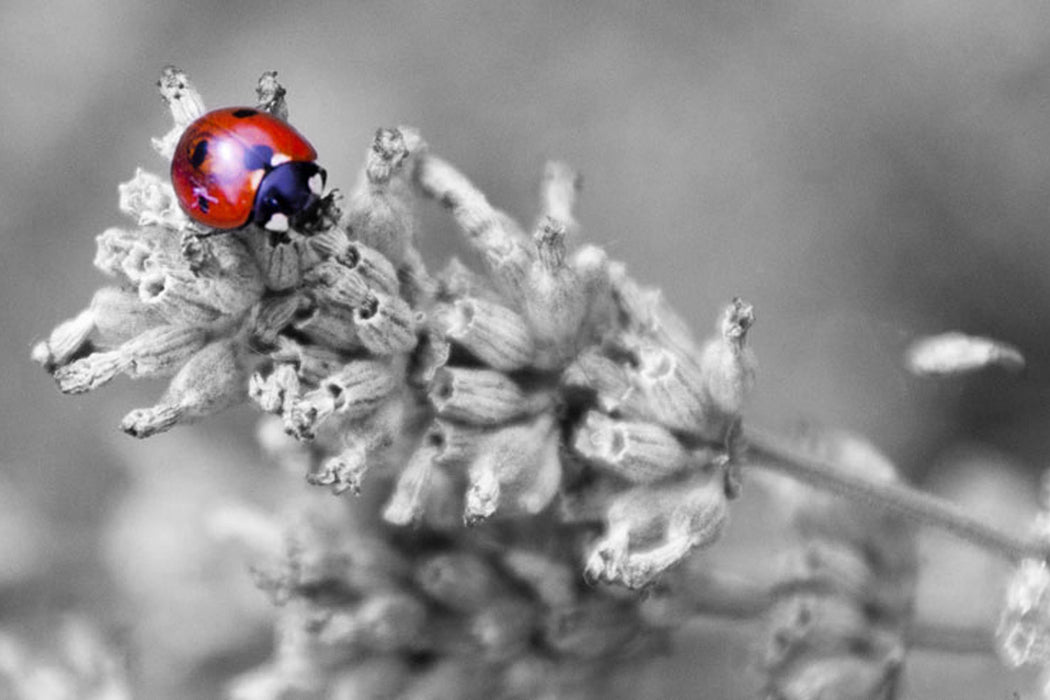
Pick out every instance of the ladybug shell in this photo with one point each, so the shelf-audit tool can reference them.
(222, 157)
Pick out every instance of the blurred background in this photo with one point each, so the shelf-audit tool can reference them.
(864, 173)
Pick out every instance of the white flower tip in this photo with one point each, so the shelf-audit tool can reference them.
(146, 422)
(41, 354)
(738, 317)
(180, 95)
(955, 353)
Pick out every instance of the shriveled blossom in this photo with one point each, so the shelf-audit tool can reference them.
(956, 353)
(540, 423)
(1023, 634)
(840, 611)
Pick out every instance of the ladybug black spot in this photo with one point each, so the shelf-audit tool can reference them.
(200, 152)
(243, 113)
(202, 203)
(258, 158)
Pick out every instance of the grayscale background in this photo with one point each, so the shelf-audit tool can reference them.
(863, 172)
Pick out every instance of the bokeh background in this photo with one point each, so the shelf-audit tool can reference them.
(863, 172)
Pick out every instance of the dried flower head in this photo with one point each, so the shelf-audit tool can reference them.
(547, 401)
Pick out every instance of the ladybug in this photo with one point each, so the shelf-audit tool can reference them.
(238, 165)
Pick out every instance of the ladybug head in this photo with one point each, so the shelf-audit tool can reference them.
(288, 194)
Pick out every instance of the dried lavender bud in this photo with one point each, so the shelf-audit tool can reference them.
(481, 396)
(212, 380)
(508, 261)
(456, 443)
(381, 430)
(484, 226)
(517, 470)
(496, 236)
(459, 281)
(119, 316)
(224, 286)
(956, 353)
(159, 351)
(128, 254)
(646, 312)
(593, 373)
(272, 315)
(417, 286)
(639, 452)
(336, 284)
(1023, 633)
(185, 104)
(374, 268)
(270, 94)
(386, 325)
(727, 364)
(328, 242)
(327, 325)
(558, 193)
(66, 340)
(380, 213)
(673, 387)
(494, 334)
(151, 201)
(592, 267)
(282, 257)
(115, 316)
(677, 516)
(313, 362)
(389, 151)
(184, 297)
(344, 471)
(409, 499)
(555, 301)
(355, 391)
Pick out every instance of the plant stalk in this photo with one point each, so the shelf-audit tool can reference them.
(768, 451)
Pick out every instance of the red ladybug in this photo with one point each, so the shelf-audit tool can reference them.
(239, 165)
